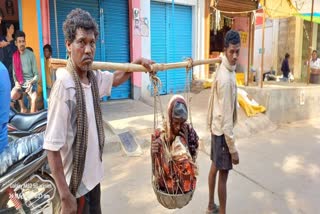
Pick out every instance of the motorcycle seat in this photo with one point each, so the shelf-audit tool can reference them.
(19, 150)
(25, 122)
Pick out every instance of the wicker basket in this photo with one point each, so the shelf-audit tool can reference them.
(172, 201)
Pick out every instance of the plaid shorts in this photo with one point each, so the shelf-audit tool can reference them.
(220, 154)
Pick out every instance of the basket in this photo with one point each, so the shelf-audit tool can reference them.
(172, 201)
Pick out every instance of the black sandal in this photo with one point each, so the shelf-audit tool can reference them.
(215, 210)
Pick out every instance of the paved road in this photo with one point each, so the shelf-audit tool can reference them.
(278, 173)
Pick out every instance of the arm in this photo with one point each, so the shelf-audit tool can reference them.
(56, 168)
(225, 91)
(121, 76)
(227, 120)
(188, 132)
(55, 139)
(3, 44)
(69, 203)
(14, 75)
(34, 70)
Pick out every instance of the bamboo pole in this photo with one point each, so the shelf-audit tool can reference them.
(310, 43)
(262, 51)
(129, 67)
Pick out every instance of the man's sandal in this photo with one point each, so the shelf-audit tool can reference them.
(215, 210)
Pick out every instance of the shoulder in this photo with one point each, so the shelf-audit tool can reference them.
(2, 67)
(30, 53)
(64, 76)
(101, 74)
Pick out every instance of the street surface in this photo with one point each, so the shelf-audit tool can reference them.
(278, 173)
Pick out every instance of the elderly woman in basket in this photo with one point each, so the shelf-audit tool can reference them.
(174, 151)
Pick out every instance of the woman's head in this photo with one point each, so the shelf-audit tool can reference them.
(179, 117)
(287, 56)
(177, 114)
(9, 28)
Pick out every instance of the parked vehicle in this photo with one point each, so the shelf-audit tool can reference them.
(25, 183)
(21, 125)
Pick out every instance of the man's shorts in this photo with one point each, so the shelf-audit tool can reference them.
(220, 154)
(23, 90)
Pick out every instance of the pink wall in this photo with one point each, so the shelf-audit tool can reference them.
(135, 41)
(45, 21)
(242, 24)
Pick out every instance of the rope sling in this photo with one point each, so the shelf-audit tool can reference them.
(169, 197)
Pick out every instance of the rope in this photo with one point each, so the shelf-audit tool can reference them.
(188, 88)
(156, 84)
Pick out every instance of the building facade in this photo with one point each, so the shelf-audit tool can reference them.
(166, 31)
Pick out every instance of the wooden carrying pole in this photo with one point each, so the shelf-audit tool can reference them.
(310, 43)
(129, 67)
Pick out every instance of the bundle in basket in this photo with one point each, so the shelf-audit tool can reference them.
(173, 173)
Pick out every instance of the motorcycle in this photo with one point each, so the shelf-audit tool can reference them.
(21, 125)
(25, 183)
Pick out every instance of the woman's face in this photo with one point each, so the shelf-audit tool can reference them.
(176, 125)
(11, 29)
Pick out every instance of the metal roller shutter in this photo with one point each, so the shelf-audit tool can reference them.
(168, 45)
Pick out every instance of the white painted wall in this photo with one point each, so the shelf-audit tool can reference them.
(268, 46)
(146, 47)
(199, 71)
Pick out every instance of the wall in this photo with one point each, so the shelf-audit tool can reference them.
(305, 52)
(135, 42)
(318, 40)
(45, 18)
(30, 27)
(146, 51)
(286, 41)
(286, 105)
(241, 24)
(268, 47)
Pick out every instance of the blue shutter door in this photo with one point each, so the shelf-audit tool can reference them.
(116, 33)
(180, 46)
(117, 41)
(168, 46)
(63, 9)
(159, 39)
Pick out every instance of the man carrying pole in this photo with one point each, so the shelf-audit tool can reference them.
(75, 136)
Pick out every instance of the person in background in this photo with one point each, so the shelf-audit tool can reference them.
(5, 106)
(9, 50)
(285, 68)
(47, 50)
(2, 42)
(25, 73)
(315, 68)
(30, 49)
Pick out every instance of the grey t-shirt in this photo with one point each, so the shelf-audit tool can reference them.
(29, 66)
